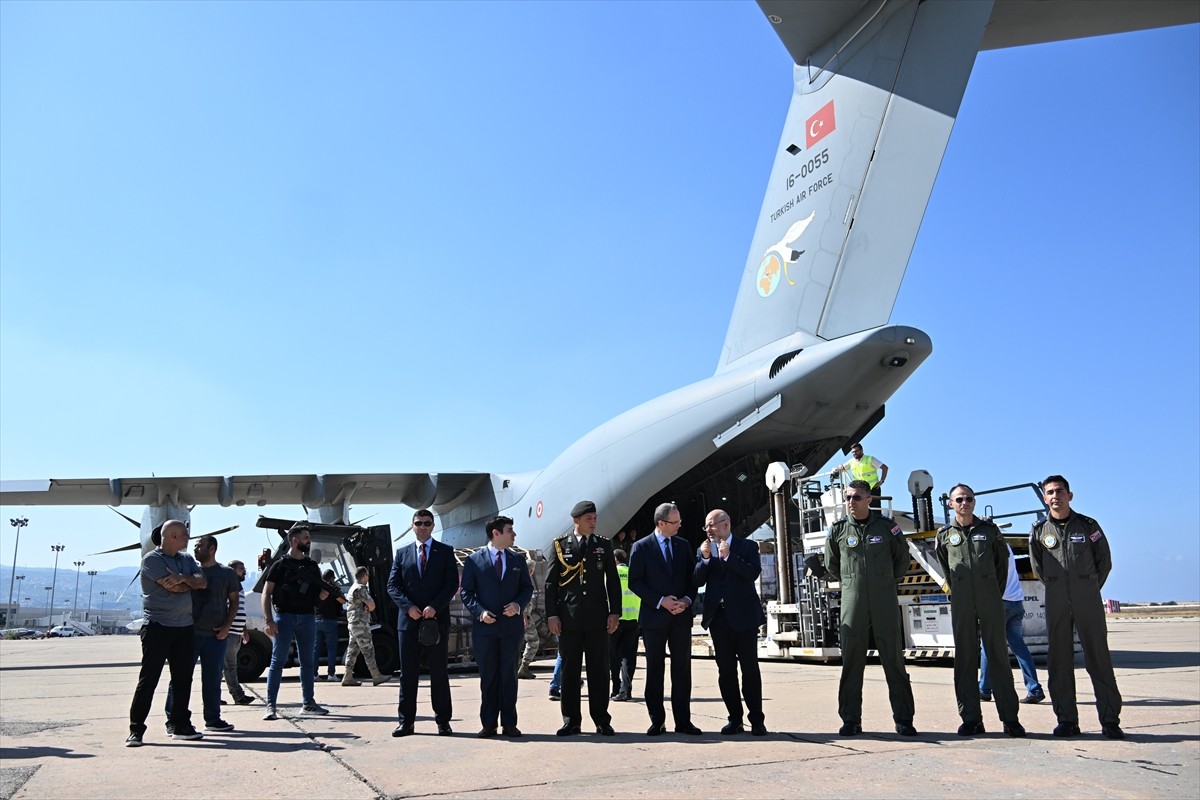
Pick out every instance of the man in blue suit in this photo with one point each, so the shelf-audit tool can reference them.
(496, 587)
(660, 573)
(423, 581)
(732, 615)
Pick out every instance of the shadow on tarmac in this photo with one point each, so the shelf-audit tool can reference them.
(40, 752)
(1152, 659)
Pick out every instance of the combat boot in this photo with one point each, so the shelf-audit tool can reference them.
(349, 680)
(525, 672)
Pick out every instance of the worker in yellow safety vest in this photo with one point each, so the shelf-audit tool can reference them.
(624, 640)
(865, 468)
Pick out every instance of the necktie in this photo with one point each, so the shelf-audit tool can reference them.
(500, 564)
(424, 558)
(667, 552)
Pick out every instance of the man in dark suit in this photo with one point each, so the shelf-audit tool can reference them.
(732, 615)
(660, 573)
(496, 587)
(583, 604)
(424, 579)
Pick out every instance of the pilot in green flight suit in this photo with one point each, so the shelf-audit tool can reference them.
(1070, 555)
(868, 555)
(974, 560)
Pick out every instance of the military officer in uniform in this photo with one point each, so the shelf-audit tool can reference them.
(583, 604)
(974, 561)
(867, 553)
(1070, 555)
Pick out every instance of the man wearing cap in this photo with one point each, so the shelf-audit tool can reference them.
(583, 604)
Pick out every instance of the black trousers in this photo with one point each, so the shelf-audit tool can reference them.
(175, 646)
(497, 659)
(623, 656)
(410, 673)
(575, 646)
(678, 636)
(737, 649)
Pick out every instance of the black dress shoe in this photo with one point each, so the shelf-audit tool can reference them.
(689, 729)
(971, 729)
(605, 730)
(511, 731)
(1015, 729)
(403, 730)
(907, 729)
(486, 733)
(758, 729)
(732, 729)
(1112, 732)
(657, 729)
(850, 729)
(1065, 729)
(569, 729)
(444, 729)
(621, 697)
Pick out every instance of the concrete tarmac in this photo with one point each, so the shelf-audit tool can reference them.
(64, 707)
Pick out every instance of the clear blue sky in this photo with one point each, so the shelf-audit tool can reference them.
(243, 238)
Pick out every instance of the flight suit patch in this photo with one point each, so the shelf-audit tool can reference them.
(1050, 540)
(1077, 538)
(1096, 536)
(852, 541)
(874, 539)
(979, 537)
(956, 538)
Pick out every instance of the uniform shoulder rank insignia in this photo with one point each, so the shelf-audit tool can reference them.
(944, 528)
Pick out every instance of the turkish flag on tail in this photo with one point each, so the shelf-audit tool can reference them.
(819, 125)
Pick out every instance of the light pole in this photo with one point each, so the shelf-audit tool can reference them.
(91, 583)
(18, 523)
(100, 620)
(75, 607)
(49, 609)
(57, 548)
(21, 582)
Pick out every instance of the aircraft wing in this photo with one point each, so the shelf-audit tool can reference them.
(805, 27)
(417, 490)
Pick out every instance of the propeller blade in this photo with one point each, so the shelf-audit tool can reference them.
(124, 549)
(129, 519)
(223, 530)
(364, 519)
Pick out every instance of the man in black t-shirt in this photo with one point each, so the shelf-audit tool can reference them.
(329, 619)
(290, 594)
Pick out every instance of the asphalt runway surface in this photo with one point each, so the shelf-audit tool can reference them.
(64, 707)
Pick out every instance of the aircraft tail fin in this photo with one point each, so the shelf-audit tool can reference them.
(869, 121)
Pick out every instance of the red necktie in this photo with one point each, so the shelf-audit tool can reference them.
(424, 558)
(500, 564)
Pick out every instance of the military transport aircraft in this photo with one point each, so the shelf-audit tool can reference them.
(809, 358)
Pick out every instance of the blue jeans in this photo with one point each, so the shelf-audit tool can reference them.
(327, 629)
(556, 678)
(211, 652)
(1014, 631)
(302, 628)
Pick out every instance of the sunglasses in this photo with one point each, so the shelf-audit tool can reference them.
(854, 498)
(423, 523)
(964, 499)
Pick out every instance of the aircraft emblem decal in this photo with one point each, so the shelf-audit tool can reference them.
(538, 511)
(779, 256)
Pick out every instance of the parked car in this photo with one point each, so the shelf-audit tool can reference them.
(62, 631)
(21, 633)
